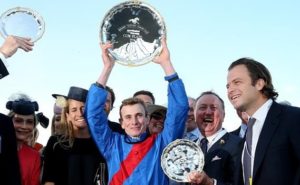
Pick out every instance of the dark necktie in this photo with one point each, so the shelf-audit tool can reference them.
(247, 153)
(203, 145)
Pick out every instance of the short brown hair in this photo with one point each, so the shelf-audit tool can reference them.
(214, 94)
(132, 101)
(258, 71)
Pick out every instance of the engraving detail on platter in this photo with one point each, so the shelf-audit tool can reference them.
(181, 157)
(135, 29)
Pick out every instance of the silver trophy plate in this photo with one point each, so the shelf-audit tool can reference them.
(22, 22)
(180, 158)
(135, 30)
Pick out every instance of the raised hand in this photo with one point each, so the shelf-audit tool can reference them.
(13, 43)
(108, 61)
(164, 59)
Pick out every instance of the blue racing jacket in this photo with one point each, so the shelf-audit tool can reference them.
(136, 160)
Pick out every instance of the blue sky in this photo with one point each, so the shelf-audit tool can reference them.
(204, 37)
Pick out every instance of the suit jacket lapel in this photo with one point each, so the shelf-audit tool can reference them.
(219, 144)
(270, 125)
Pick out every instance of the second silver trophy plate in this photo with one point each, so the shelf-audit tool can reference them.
(180, 158)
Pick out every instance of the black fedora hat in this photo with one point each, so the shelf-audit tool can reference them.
(58, 95)
(77, 93)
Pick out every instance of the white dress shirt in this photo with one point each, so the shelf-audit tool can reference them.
(213, 138)
(260, 116)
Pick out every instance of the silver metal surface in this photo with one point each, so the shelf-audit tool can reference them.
(22, 22)
(135, 30)
(181, 157)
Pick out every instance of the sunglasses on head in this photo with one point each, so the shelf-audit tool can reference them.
(157, 116)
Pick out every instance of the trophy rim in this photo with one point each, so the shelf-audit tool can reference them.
(138, 62)
(29, 11)
(189, 143)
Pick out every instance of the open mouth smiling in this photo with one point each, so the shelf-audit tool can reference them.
(207, 120)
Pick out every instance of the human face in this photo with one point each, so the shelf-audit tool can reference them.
(108, 104)
(190, 122)
(57, 123)
(75, 114)
(241, 93)
(146, 99)
(24, 125)
(156, 123)
(209, 114)
(134, 120)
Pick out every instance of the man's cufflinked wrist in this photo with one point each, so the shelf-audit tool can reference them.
(172, 77)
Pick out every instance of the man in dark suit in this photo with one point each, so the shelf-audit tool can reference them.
(222, 149)
(10, 47)
(9, 163)
(275, 148)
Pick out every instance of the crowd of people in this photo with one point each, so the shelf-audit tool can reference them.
(86, 148)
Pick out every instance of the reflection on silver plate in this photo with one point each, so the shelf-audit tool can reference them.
(181, 157)
(22, 22)
(135, 30)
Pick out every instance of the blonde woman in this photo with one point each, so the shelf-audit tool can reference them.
(72, 157)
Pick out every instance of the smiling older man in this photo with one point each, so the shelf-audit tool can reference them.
(221, 149)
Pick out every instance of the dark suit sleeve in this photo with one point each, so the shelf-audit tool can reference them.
(294, 115)
(9, 162)
(236, 132)
(231, 165)
(226, 150)
(3, 70)
(295, 138)
(233, 161)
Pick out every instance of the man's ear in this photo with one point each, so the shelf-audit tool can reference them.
(260, 84)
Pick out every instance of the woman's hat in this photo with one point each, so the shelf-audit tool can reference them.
(77, 93)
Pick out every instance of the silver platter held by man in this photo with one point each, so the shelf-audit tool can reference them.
(135, 30)
(22, 22)
(181, 157)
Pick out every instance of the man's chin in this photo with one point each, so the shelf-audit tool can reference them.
(135, 133)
